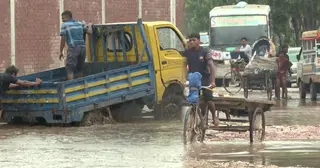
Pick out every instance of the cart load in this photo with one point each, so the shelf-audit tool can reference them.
(258, 65)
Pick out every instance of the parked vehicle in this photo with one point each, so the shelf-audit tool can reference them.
(204, 39)
(293, 52)
(308, 67)
(130, 65)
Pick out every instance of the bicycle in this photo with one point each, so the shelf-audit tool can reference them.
(195, 123)
(234, 75)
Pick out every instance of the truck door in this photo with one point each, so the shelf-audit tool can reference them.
(317, 48)
(170, 49)
(309, 60)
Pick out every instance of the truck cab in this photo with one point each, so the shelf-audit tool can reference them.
(308, 67)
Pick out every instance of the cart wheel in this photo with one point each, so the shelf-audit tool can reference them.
(204, 128)
(257, 125)
(192, 126)
(235, 83)
(245, 87)
(268, 85)
(188, 122)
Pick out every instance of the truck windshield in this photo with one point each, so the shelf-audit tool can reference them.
(228, 30)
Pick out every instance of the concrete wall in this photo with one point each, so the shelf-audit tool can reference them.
(37, 24)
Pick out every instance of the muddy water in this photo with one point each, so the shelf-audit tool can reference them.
(153, 144)
(122, 145)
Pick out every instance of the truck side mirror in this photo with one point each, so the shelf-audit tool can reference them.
(299, 55)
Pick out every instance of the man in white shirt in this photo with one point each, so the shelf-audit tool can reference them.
(246, 48)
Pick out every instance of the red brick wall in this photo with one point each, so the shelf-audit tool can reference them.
(38, 24)
(4, 34)
(156, 10)
(37, 27)
(87, 10)
(121, 11)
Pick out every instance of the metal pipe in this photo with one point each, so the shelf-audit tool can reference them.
(173, 11)
(12, 33)
(103, 11)
(140, 9)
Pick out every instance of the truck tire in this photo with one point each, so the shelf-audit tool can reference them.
(169, 108)
(302, 90)
(124, 112)
(313, 91)
(94, 117)
(157, 112)
(289, 84)
(172, 107)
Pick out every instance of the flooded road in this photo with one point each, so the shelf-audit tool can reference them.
(149, 143)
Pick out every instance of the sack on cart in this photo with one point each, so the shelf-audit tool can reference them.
(258, 65)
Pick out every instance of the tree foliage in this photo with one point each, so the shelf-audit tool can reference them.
(289, 17)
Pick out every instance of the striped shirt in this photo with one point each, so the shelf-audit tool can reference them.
(73, 31)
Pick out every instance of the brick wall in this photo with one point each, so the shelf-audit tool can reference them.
(37, 26)
(4, 34)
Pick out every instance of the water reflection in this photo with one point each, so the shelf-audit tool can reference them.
(280, 153)
(154, 144)
(294, 112)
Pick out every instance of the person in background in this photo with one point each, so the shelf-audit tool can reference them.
(285, 49)
(283, 64)
(9, 80)
(200, 60)
(245, 48)
(73, 33)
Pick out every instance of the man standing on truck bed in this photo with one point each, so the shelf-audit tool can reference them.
(200, 60)
(73, 32)
(9, 80)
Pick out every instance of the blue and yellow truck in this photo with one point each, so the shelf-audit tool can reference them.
(129, 65)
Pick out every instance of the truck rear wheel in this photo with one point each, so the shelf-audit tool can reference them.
(96, 117)
(126, 111)
(313, 91)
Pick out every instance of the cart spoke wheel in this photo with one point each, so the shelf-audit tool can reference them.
(193, 129)
(257, 126)
(235, 84)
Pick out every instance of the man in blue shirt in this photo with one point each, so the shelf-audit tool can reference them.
(200, 60)
(73, 33)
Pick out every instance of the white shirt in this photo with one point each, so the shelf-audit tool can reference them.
(247, 50)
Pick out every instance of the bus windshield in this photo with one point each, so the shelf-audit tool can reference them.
(228, 30)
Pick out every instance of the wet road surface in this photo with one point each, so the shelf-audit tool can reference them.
(151, 143)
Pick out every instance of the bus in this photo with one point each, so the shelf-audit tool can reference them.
(229, 23)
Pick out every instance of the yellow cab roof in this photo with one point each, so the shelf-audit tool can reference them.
(311, 35)
(153, 23)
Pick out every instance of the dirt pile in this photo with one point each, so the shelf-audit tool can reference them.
(295, 132)
(194, 163)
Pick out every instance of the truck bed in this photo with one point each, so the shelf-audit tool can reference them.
(58, 100)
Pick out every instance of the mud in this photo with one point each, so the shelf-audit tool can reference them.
(292, 140)
(295, 132)
(195, 163)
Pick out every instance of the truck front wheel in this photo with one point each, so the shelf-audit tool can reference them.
(313, 91)
(169, 108)
(302, 90)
